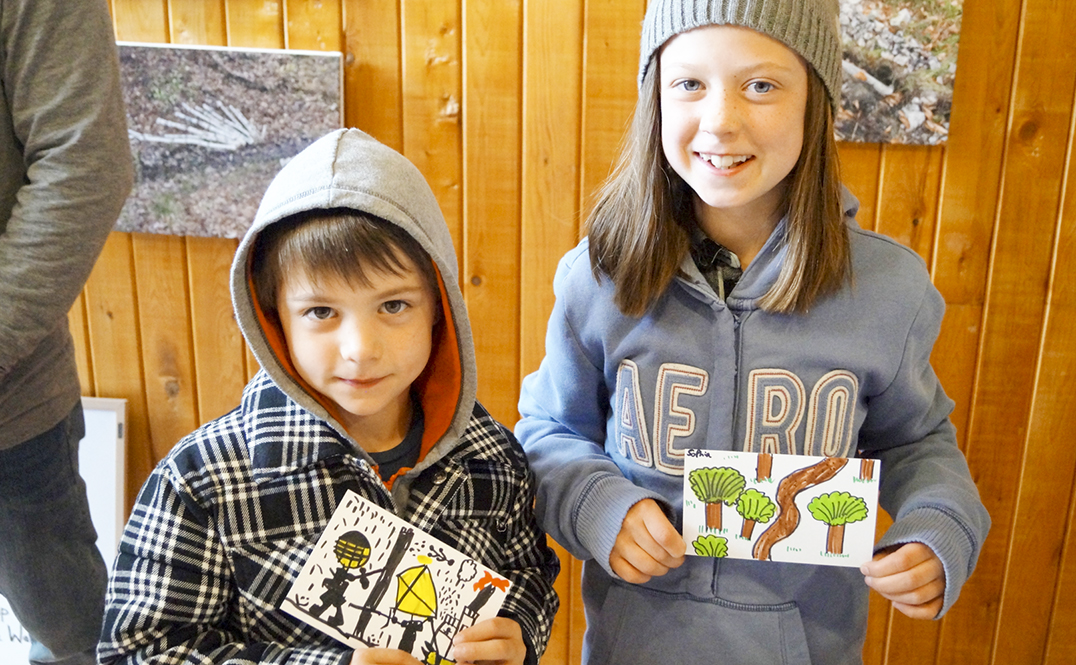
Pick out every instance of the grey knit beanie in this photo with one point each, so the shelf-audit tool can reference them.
(808, 27)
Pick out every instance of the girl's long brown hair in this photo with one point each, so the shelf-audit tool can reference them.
(640, 227)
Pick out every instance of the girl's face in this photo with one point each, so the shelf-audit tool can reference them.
(732, 107)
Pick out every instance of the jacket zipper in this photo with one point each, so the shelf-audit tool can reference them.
(739, 318)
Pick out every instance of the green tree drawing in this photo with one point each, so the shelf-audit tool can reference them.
(714, 486)
(837, 509)
(754, 506)
(711, 545)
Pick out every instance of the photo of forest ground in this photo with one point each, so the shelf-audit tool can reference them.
(899, 68)
(209, 128)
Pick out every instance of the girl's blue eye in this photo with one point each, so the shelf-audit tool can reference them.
(394, 306)
(761, 86)
(690, 85)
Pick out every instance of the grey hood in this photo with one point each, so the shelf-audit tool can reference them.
(349, 169)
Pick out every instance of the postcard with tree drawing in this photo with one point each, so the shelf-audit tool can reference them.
(770, 507)
(375, 580)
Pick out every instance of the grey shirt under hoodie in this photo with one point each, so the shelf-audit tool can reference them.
(617, 400)
(65, 171)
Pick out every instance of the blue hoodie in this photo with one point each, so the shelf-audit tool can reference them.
(617, 400)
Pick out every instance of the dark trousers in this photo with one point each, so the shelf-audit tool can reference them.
(51, 571)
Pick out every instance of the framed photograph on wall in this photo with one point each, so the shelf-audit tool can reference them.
(899, 68)
(210, 127)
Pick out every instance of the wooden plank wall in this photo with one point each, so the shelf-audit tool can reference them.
(513, 110)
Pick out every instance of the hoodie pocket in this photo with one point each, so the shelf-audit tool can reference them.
(638, 625)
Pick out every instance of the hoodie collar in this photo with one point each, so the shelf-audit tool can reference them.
(763, 272)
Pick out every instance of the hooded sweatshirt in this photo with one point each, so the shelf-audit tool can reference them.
(225, 522)
(617, 400)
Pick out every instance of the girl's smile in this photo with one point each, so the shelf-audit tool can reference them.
(732, 108)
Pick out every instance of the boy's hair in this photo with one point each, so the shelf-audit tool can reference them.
(640, 228)
(337, 242)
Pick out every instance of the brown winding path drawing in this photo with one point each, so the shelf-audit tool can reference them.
(789, 487)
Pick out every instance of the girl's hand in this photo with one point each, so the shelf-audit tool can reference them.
(382, 657)
(498, 640)
(647, 545)
(910, 576)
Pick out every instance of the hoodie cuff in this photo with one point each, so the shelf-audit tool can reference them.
(600, 513)
(947, 536)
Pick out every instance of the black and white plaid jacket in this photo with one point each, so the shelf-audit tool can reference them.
(225, 522)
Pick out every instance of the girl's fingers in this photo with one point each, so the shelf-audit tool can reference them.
(903, 558)
(628, 572)
(915, 596)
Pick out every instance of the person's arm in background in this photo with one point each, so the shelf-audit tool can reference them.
(61, 90)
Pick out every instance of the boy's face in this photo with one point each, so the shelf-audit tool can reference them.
(361, 346)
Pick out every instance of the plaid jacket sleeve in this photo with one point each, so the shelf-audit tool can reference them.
(172, 594)
(482, 503)
(531, 566)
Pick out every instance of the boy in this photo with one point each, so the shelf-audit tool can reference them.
(345, 288)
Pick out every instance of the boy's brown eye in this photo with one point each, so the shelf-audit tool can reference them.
(394, 306)
(320, 312)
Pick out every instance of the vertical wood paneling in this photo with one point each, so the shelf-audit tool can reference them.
(161, 286)
(115, 351)
(908, 178)
(431, 101)
(313, 25)
(611, 53)
(492, 109)
(255, 23)
(217, 346)
(552, 60)
(160, 264)
(1030, 189)
(372, 77)
(1060, 646)
(514, 110)
(908, 196)
(861, 166)
(219, 349)
(1047, 475)
(897, 188)
(968, 198)
(197, 22)
(141, 20)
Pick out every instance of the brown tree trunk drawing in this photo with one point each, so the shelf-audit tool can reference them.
(866, 469)
(713, 516)
(787, 489)
(835, 539)
(748, 529)
(765, 466)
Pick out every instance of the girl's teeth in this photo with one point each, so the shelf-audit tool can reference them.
(726, 161)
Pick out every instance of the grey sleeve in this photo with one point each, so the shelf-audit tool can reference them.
(60, 82)
(926, 484)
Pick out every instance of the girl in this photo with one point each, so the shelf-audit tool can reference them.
(726, 299)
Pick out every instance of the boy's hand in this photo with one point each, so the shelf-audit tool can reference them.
(498, 640)
(910, 576)
(647, 545)
(382, 657)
